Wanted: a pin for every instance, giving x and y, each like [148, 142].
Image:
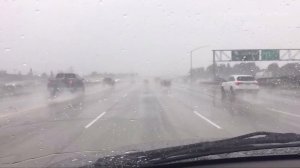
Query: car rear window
[70, 76]
[62, 75]
[245, 78]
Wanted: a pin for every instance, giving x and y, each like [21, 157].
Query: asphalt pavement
[107, 118]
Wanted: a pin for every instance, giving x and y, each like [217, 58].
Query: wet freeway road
[107, 118]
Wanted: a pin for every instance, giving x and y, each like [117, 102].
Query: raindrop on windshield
[7, 49]
[73, 160]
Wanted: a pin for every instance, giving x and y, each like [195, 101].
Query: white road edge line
[206, 119]
[97, 118]
[283, 112]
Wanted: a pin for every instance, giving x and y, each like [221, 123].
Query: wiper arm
[248, 142]
[252, 141]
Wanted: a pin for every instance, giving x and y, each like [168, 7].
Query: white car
[239, 83]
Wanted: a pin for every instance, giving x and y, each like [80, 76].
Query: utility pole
[214, 65]
[191, 68]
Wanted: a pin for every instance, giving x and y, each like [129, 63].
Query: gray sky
[146, 36]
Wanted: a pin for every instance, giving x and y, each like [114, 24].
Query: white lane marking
[97, 118]
[206, 119]
[125, 95]
[283, 112]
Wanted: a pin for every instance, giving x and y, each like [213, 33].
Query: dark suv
[66, 81]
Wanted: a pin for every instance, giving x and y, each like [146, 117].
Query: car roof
[65, 73]
[240, 75]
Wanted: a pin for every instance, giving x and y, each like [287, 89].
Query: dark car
[166, 83]
[108, 81]
[65, 82]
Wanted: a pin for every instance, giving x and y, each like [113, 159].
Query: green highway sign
[269, 55]
[244, 55]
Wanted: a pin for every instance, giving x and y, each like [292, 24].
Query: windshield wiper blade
[248, 142]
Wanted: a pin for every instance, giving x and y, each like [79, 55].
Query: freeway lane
[108, 119]
[269, 109]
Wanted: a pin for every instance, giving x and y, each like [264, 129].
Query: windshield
[145, 74]
[67, 75]
[245, 78]
[70, 76]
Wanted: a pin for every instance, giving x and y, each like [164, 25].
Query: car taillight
[238, 83]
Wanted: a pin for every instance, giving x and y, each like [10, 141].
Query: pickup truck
[65, 82]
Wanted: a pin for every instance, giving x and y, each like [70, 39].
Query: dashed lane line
[207, 120]
[283, 112]
[97, 118]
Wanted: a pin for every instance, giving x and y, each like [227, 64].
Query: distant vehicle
[239, 83]
[65, 82]
[166, 83]
[12, 88]
[109, 81]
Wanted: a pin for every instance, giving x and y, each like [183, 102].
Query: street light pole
[214, 65]
[191, 69]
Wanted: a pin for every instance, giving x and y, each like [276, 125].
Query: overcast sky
[145, 36]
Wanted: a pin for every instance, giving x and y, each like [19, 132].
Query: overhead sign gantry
[253, 55]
